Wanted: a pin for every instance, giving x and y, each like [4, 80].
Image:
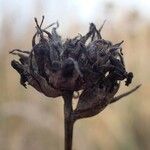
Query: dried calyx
[87, 63]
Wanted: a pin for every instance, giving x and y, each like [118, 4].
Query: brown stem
[68, 120]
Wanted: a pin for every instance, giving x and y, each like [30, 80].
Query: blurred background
[31, 121]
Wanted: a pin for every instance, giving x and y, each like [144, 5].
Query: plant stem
[68, 120]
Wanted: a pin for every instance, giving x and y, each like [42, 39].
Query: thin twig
[101, 28]
[50, 25]
[42, 21]
[124, 94]
[18, 50]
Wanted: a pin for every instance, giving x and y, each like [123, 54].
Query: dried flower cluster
[85, 63]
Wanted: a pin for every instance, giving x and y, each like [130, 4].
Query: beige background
[31, 121]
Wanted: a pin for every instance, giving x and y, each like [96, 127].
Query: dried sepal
[93, 100]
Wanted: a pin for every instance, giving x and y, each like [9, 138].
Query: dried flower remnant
[85, 63]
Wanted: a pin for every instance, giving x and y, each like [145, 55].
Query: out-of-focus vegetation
[29, 120]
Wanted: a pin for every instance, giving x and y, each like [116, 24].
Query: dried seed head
[88, 63]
